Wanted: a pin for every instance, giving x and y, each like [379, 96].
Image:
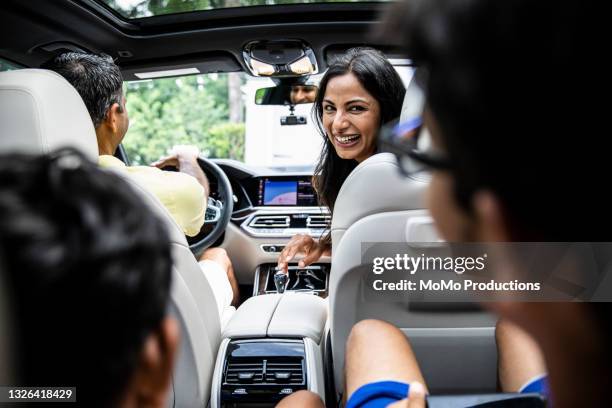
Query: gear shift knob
[280, 281]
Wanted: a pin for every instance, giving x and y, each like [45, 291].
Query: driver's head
[89, 270]
[303, 94]
[99, 82]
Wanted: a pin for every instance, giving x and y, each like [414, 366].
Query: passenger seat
[455, 347]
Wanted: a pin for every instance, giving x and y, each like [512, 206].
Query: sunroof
[148, 8]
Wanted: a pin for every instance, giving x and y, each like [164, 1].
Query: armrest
[279, 315]
[299, 315]
[252, 318]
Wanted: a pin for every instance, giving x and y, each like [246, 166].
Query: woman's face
[351, 117]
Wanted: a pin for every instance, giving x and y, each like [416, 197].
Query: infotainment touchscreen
[280, 192]
[285, 191]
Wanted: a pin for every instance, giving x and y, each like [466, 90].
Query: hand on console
[302, 244]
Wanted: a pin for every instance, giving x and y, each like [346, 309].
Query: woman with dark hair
[359, 92]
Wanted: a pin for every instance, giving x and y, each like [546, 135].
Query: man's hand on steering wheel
[218, 212]
[185, 159]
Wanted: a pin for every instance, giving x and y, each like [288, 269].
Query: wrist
[187, 161]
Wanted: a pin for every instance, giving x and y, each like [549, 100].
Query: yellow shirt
[180, 193]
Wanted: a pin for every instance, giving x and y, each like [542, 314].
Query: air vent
[318, 221]
[285, 371]
[253, 371]
[244, 371]
[270, 221]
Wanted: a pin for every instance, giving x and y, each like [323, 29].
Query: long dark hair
[382, 81]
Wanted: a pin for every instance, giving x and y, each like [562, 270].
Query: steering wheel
[218, 212]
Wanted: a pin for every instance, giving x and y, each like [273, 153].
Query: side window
[7, 66]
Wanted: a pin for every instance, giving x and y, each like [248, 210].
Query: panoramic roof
[133, 9]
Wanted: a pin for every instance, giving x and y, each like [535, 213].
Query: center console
[313, 279]
[271, 348]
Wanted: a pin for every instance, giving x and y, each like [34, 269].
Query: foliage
[147, 8]
[188, 110]
[227, 140]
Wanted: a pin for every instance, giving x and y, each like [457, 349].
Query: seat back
[39, 112]
[377, 204]
[194, 306]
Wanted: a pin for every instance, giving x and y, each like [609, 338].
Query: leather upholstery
[274, 315]
[375, 186]
[40, 112]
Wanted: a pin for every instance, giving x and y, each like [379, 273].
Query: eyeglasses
[409, 140]
[411, 144]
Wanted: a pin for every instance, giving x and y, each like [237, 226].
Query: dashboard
[271, 203]
[270, 206]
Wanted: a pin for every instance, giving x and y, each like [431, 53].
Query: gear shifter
[280, 281]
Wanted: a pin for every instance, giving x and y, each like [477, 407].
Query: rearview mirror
[286, 95]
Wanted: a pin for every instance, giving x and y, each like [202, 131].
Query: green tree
[146, 8]
[226, 140]
[188, 110]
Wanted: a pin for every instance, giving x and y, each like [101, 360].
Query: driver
[184, 194]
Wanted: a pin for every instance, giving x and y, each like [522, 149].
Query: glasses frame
[390, 140]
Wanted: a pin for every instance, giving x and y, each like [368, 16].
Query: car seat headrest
[375, 186]
[412, 107]
[414, 101]
[40, 112]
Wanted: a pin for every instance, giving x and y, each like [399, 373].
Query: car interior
[274, 343]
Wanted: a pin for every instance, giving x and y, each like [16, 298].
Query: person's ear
[491, 221]
[112, 117]
[151, 380]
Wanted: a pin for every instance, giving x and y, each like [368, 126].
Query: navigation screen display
[280, 192]
[285, 191]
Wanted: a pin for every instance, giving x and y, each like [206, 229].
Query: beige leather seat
[377, 204]
[39, 112]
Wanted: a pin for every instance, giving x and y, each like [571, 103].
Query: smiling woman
[351, 117]
[360, 91]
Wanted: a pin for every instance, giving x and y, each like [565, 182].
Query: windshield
[217, 113]
[147, 8]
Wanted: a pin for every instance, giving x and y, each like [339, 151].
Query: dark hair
[382, 81]
[96, 77]
[90, 267]
[513, 87]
